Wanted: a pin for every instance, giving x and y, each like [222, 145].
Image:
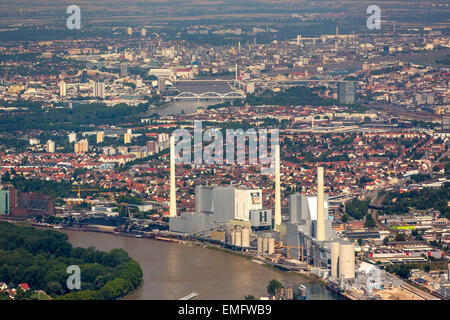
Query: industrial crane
[291, 247]
[79, 190]
[130, 214]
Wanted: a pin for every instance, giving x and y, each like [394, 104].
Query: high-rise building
[100, 136]
[346, 92]
[161, 84]
[163, 137]
[123, 70]
[62, 89]
[99, 89]
[82, 146]
[72, 137]
[127, 138]
[84, 77]
[50, 147]
[152, 147]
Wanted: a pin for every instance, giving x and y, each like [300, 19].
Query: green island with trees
[40, 258]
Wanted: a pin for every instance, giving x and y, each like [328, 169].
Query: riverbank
[173, 268]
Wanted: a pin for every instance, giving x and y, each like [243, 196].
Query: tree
[23, 295]
[345, 217]
[54, 288]
[400, 237]
[357, 208]
[386, 241]
[40, 258]
[273, 286]
[369, 223]
[249, 297]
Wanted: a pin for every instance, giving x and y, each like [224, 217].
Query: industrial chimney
[173, 196]
[320, 226]
[277, 189]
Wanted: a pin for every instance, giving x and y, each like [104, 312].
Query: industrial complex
[236, 218]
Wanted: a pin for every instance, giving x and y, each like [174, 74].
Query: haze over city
[224, 150]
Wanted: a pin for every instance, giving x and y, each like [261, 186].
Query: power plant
[235, 218]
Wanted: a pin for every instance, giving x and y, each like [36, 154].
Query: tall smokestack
[320, 231]
[173, 199]
[277, 189]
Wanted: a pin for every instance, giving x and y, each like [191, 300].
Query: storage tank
[334, 259]
[271, 249]
[346, 261]
[265, 244]
[233, 237]
[238, 238]
[260, 245]
[246, 237]
[228, 232]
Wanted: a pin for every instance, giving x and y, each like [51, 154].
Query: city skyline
[312, 137]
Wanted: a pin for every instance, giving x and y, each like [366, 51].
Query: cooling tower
[265, 246]
[260, 244]
[346, 261]
[334, 259]
[246, 237]
[271, 248]
[238, 238]
[233, 237]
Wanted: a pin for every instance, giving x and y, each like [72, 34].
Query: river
[172, 270]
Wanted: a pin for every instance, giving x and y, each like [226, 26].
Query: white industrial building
[217, 205]
[310, 237]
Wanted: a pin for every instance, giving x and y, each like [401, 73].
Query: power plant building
[303, 215]
[217, 205]
[309, 231]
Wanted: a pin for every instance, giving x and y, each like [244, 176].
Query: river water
[172, 270]
[179, 107]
